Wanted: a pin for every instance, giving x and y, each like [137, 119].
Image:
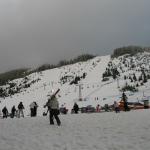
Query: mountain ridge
[89, 75]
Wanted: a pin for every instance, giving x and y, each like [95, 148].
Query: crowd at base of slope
[54, 110]
[20, 111]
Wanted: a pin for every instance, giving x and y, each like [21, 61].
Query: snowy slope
[101, 131]
[50, 79]
[95, 131]
[94, 91]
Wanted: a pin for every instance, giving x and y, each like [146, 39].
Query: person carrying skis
[53, 107]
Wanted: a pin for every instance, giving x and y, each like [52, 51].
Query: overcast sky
[34, 32]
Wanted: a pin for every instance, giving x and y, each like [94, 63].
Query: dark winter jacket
[20, 106]
[5, 111]
[13, 110]
[76, 107]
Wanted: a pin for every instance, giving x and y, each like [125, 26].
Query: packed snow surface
[96, 131]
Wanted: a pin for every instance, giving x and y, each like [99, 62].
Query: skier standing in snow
[5, 112]
[53, 106]
[13, 112]
[20, 110]
[76, 108]
[32, 105]
[35, 108]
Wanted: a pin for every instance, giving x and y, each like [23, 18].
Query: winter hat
[52, 92]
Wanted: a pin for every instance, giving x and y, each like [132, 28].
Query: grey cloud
[34, 32]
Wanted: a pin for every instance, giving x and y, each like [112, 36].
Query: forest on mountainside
[23, 72]
[131, 50]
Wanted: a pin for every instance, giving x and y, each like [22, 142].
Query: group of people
[19, 112]
[14, 112]
[116, 106]
[33, 109]
[54, 110]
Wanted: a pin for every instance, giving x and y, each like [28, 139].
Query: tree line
[80, 58]
[131, 50]
[12, 75]
[23, 72]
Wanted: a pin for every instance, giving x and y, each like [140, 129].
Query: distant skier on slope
[53, 107]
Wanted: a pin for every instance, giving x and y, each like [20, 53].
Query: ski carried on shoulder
[45, 113]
